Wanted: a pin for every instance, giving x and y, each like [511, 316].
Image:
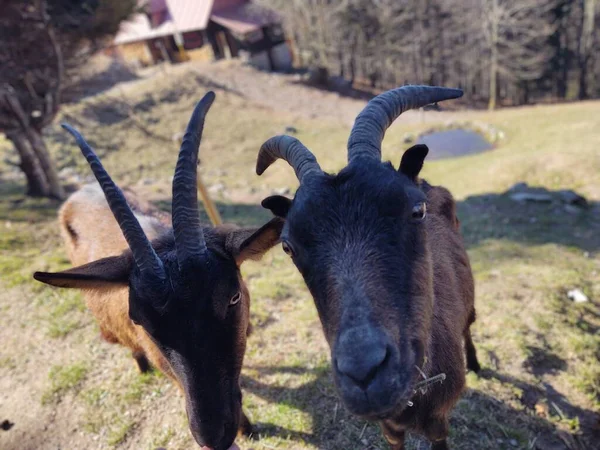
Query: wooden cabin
[181, 30]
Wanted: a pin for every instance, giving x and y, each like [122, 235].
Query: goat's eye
[287, 248]
[235, 299]
[419, 211]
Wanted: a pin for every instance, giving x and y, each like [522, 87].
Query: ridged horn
[189, 237]
[144, 255]
[291, 150]
[373, 121]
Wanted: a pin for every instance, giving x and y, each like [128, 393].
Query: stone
[572, 198]
[577, 296]
[282, 191]
[216, 188]
[408, 138]
[518, 187]
[572, 209]
[537, 197]
[67, 172]
[291, 130]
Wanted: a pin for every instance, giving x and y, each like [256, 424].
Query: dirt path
[284, 92]
[278, 91]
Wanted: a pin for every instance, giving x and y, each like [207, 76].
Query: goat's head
[185, 290]
[359, 240]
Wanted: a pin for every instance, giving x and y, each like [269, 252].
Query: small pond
[452, 143]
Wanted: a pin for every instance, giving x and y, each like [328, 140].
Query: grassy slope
[61, 384]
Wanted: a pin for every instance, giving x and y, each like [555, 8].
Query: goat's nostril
[362, 368]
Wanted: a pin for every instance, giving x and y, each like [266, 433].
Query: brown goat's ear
[412, 161]
[252, 243]
[107, 272]
[278, 205]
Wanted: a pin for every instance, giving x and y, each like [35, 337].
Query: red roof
[179, 16]
[244, 18]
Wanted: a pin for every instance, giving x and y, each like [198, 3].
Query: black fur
[393, 291]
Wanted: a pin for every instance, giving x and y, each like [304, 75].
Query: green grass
[64, 313]
[63, 379]
[119, 431]
[162, 439]
[539, 350]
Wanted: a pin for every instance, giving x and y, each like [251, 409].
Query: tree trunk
[40, 149]
[42, 179]
[494, 56]
[585, 45]
[37, 184]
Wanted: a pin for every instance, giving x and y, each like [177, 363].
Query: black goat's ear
[278, 205]
[252, 243]
[412, 161]
[108, 272]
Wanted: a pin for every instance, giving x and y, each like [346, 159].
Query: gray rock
[217, 188]
[572, 209]
[67, 172]
[577, 296]
[291, 130]
[537, 197]
[177, 137]
[408, 138]
[518, 187]
[282, 191]
[572, 198]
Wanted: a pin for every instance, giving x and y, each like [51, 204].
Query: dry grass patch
[541, 380]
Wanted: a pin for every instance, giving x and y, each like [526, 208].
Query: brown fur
[453, 313]
[90, 232]
[438, 316]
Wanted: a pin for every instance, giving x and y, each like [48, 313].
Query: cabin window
[193, 39]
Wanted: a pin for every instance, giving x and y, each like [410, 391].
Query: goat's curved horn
[189, 238]
[373, 121]
[144, 255]
[291, 150]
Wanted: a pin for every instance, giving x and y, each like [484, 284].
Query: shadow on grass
[497, 216]
[98, 82]
[15, 206]
[244, 215]
[483, 217]
[332, 425]
[548, 401]
[478, 421]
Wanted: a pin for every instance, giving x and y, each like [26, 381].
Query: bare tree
[515, 33]
[32, 72]
[586, 44]
[38, 40]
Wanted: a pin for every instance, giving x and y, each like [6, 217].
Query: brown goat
[381, 252]
[175, 297]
